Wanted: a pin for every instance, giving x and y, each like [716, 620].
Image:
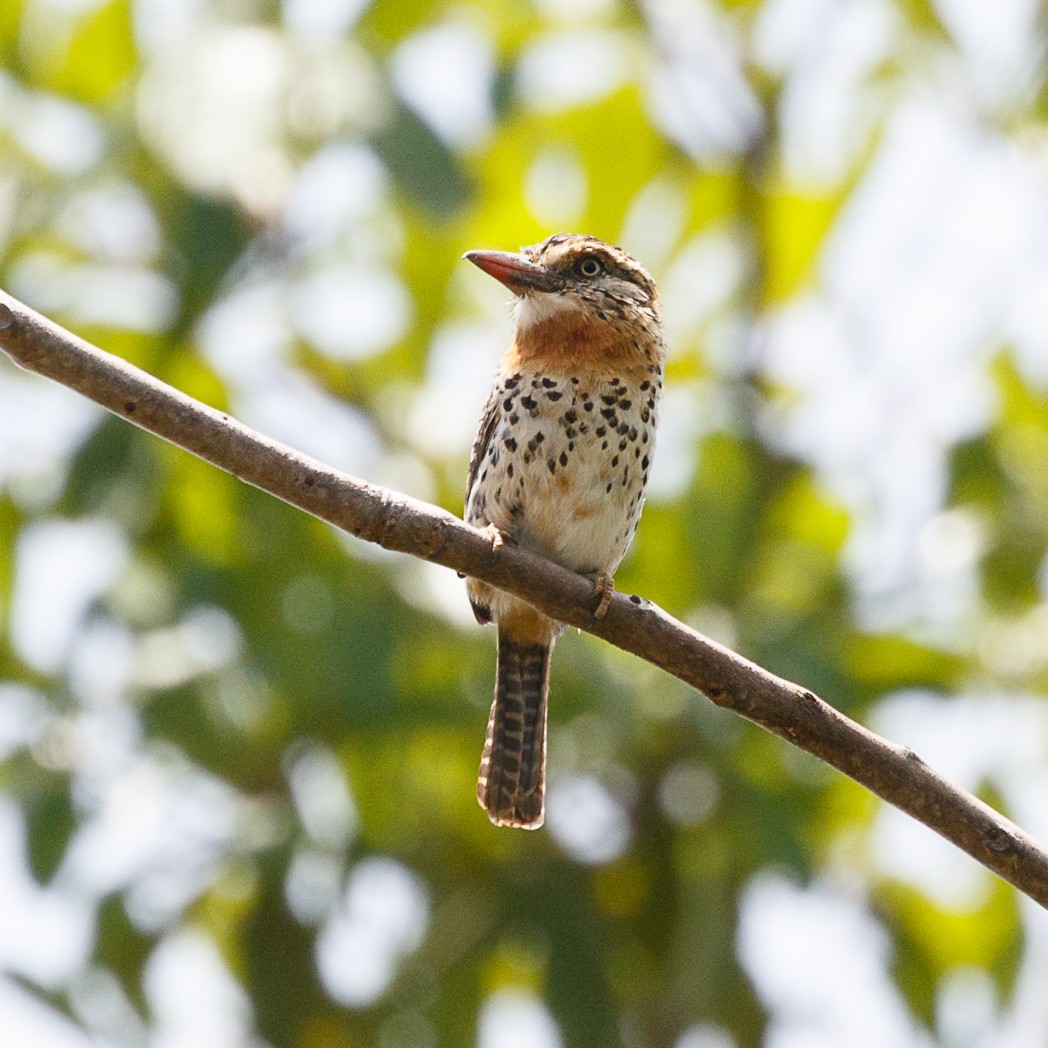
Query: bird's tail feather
[511, 786]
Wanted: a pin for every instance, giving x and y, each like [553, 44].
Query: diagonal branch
[396, 522]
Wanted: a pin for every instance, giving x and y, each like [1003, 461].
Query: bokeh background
[238, 749]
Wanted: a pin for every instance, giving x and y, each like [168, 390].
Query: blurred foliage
[252, 719]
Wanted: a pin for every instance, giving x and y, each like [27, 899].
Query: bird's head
[569, 273]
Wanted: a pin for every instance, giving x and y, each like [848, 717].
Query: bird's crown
[583, 262]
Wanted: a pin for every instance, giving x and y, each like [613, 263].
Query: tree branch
[399, 523]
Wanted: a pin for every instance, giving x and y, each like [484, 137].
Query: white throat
[529, 310]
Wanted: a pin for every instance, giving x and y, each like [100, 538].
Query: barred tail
[512, 781]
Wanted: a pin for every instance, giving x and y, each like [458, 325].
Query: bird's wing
[485, 430]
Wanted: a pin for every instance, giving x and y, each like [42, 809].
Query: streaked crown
[595, 271]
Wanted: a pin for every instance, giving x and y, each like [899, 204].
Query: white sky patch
[291, 407]
[571, 68]
[435, 591]
[336, 188]
[112, 220]
[704, 274]
[686, 413]
[61, 135]
[517, 1019]
[248, 333]
[322, 797]
[313, 883]
[442, 419]
[697, 91]
[61, 567]
[165, 25]
[351, 312]
[818, 961]
[160, 828]
[589, 822]
[23, 715]
[705, 1035]
[969, 740]
[831, 101]
[214, 110]
[193, 996]
[121, 296]
[247, 337]
[445, 74]
[654, 222]
[41, 426]
[322, 21]
[29, 1023]
[892, 349]
[1000, 44]
[555, 188]
[46, 933]
[382, 917]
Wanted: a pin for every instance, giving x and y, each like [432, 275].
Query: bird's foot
[604, 590]
[498, 540]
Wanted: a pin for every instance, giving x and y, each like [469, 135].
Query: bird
[559, 466]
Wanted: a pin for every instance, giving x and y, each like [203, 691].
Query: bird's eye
[589, 266]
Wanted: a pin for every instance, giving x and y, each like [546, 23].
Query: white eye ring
[590, 267]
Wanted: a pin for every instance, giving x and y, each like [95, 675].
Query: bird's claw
[604, 590]
[498, 540]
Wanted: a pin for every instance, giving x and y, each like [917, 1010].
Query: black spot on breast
[570, 432]
[625, 404]
[644, 462]
[507, 404]
[571, 415]
[554, 394]
[608, 398]
[511, 383]
[548, 383]
[529, 403]
[601, 430]
[622, 444]
[510, 442]
[509, 470]
[614, 461]
[551, 465]
[563, 458]
[588, 406]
